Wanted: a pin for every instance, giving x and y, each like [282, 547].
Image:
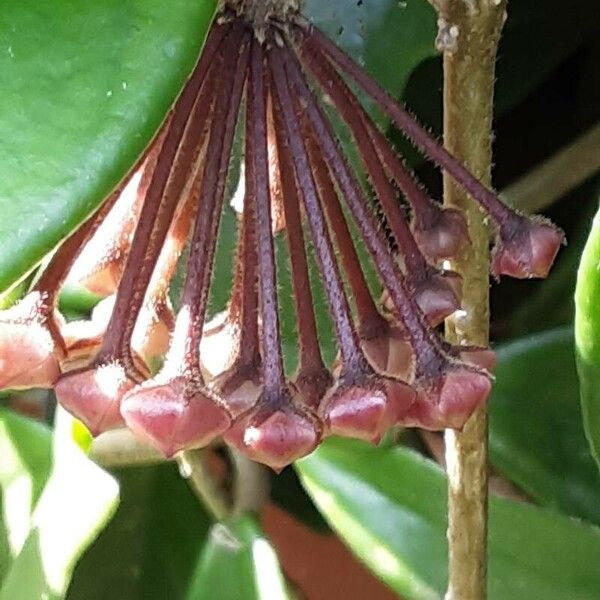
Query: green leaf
[536, 435]
[237, 563]
[587, 336]
[75, 504]
[86, 85]
[148, 551]
[25, 463]
[389, 506]
[76, 299]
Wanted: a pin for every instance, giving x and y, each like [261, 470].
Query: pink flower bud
[444, 236]
[526, 248]
[175, 415]
[448, 399]
[366, 409]
[94, 395]
[438, 295]
[30, 346]
[275, 436]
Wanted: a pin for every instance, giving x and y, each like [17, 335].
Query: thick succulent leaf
[536, 434]
[237, 562]
[25, 463]
[389, 506]
[75, 504]
[149, 549]
[587, 336]
[85, 86]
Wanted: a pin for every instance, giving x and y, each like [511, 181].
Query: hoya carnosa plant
[269, 70]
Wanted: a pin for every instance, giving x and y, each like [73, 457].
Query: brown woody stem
[468, 105]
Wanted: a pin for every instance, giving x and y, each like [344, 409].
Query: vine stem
[469, 71]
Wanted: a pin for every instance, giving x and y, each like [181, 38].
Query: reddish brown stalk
[94, 394]
[407, 124]
[421, 336]
[249, 345]
[435, 295]
[525, 247]
[100, 264]
[371, 323]
[175, 409]
[278, 430]
[60, 264]
[273, 375]
[151, 335]
[383, 342]
[338, 303]
[240, 384]
[362, 401]
[194, 298]
[429, 217]
[447, 390]
[312, 378]
[161, 201]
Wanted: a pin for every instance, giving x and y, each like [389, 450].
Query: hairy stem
[422, 338]
[468, 104]
[310, 353]
[160, 204]
[194, 299]
[352, 113]
[338, 303]
[256, 122]
[371, 323]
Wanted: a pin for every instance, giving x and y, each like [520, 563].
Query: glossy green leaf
[149, 549]
[389, 506]
[25, 463]
[75, 504]
[587, 335]
[536, 434]
[237, 563]
[85, 86]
